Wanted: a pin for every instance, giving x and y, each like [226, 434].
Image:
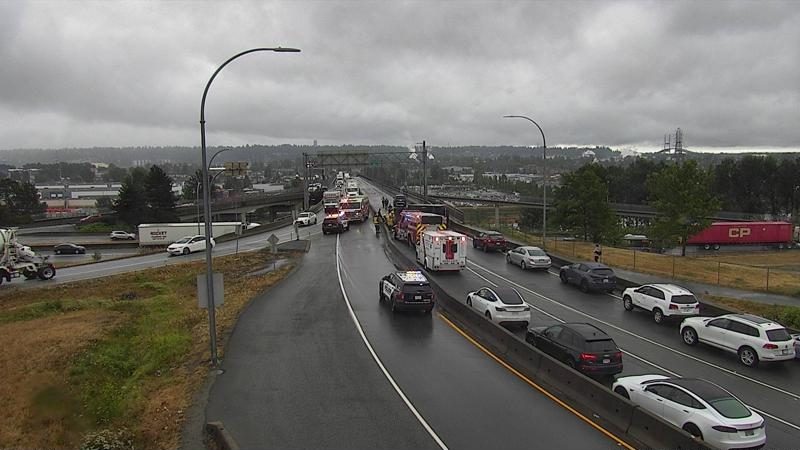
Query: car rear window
[778, 335]
[684, 299]
[604, 345]
[602, 272]
[416, 287]
[730, 408]
[536, 252]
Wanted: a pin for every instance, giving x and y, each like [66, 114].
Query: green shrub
[120, 439]
[97, 227]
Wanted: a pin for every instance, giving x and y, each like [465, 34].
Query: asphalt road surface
[298, 374]
[771, 389]
[113, 267]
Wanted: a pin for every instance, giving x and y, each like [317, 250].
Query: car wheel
[474, 243]
[469, 302]
[488, 315]
[508, 259]
[46, 272]
[563, 277]
[658, 316]
[523, 266]
[748, 356]
[693, 430]
[622, 392]
[584, 286]
[568, 361]
[185, 251]
[689, 336]
[58, 252]
[627, 303]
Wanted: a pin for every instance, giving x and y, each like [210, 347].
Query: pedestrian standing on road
[598, 252]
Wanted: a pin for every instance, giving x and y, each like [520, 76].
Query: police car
[407, 291]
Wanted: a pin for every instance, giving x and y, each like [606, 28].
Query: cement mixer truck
[17, 260]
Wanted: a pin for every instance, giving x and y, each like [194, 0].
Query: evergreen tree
[681, 194]
[581, 205]
[159, 196]
[131, 203]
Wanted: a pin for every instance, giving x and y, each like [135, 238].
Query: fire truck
[439, 250]
[411, 224]
[356, 209]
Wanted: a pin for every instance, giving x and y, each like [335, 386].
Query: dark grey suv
[590, 276]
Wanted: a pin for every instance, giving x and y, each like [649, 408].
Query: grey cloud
[596, 73]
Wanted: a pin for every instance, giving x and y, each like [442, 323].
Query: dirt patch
[35, 392]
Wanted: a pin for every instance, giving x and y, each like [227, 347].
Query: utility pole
[424, 171]
[305, 182]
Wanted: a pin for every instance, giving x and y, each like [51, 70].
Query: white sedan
[306, 218]
[502, 305]
[529, 257]
[189, 244]
[699, 407]
[122, 235]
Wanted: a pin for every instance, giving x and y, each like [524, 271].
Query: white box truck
[151, 234]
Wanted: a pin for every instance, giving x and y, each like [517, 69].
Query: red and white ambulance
[442, 250]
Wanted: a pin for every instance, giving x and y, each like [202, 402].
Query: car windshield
[730, 408]
[536, 252]
[684, 299]
[601, 346]
[494, 235]
[183, 240]
[778, 335]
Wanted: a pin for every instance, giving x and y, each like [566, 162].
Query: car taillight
[673, 306]
[770, 346]
[724, 429]
[588, 357]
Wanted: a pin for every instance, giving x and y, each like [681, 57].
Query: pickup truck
[490, 240]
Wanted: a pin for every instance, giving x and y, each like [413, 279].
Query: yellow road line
[536, 386]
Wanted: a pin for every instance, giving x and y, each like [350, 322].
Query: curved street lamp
[212, 326]
[199, 182]
[544, 169]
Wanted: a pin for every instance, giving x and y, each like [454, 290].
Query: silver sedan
[528, 257]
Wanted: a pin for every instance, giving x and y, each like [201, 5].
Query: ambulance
[439, 250]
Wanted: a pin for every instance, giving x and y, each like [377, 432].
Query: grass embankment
[123, 351]
[788, 316]
[775, 272]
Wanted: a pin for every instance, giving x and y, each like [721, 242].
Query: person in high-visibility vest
[376, 219]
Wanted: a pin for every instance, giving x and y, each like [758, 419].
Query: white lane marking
[378, 360]
[650, 341]
[483, 277]
[659, 367]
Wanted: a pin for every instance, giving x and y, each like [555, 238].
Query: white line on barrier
[650, 341]
[378, 360]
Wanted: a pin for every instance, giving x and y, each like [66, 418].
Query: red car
[490, 240]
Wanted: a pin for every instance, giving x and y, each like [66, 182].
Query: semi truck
[771, 234]
[152, 234]
[18, 260]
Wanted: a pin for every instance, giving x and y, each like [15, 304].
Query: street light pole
[212, 326]
[197, 188]
[544, 170]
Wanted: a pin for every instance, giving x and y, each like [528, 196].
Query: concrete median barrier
[658, 434]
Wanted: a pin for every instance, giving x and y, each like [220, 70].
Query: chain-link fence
[510, 221]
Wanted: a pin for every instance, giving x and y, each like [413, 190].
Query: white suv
[306, 218]
[663, 300]
[121, 235]
[751, 337]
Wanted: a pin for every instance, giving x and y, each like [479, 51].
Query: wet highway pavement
[772, 389]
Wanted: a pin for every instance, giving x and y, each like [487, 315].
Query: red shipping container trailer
[744, 233]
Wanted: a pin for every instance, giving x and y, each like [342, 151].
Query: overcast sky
[621, 74]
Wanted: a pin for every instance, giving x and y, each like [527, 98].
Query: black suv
[408, 291]
[400, 201]
[582, 346]
[335, 223]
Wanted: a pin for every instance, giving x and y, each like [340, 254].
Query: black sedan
[582, 346]
[590, 276]
[66, 248]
